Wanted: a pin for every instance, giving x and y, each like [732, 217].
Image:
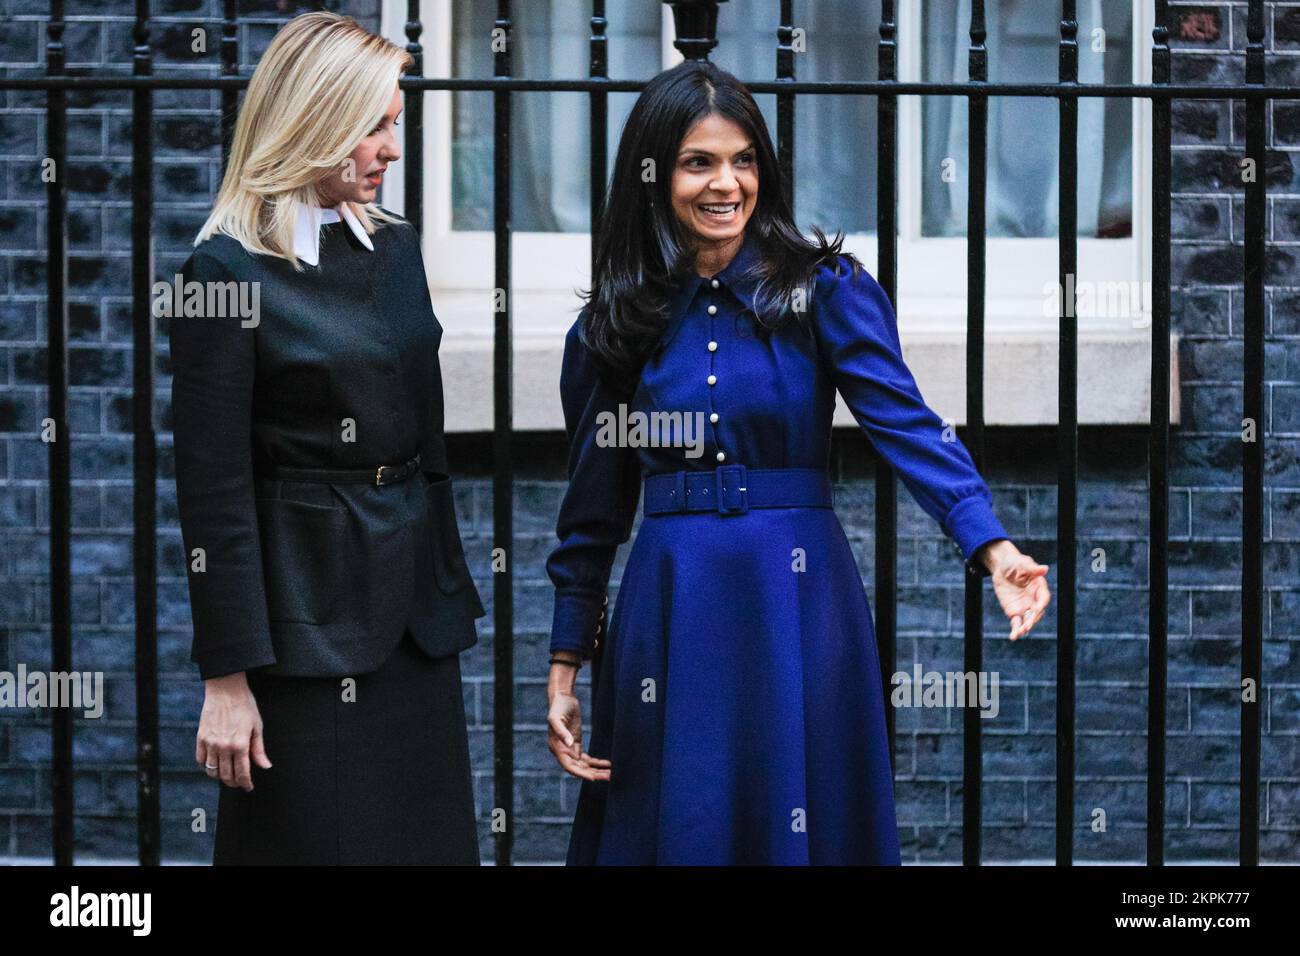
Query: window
[1023, 145]
[835, 164]
[550, 42]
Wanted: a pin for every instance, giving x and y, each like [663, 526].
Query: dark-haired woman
[740, 713]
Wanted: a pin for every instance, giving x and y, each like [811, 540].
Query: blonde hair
[322, 85]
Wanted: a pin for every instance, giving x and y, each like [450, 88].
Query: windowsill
[1020, 381]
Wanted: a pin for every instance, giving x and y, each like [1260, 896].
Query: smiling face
[715, 185]
[358, 180]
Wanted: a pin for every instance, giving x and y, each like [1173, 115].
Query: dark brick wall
[1201, 791]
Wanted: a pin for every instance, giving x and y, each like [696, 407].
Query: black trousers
[382, 779]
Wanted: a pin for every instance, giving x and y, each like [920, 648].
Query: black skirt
[382, 779]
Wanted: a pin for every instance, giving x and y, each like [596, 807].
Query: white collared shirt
[306, 233]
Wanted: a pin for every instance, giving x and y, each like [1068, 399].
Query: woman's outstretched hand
[1020, 584]
[564, 726]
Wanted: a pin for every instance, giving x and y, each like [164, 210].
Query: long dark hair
[642, 252]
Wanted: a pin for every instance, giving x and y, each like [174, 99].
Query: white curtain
[834, 136]
[1023, 173]
[550, 132]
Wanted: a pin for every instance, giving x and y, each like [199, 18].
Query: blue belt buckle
[733, 489]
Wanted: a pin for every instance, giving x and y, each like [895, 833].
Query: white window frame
[932, 270]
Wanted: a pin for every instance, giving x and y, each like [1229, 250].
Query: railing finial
[695, 25]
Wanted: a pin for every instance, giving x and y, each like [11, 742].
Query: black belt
[383, 475]
[734, 489]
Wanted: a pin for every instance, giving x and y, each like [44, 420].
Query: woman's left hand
[1020, 584]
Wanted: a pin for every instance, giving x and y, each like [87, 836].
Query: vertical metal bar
[229, 67]
[503, 619]
[1158, 445]
[1067, 434]
[1252, 462]
[887, 276]
[145, 454]
[978, 109]
[413, 109]
[56, 272]
[785, 101]
[598, 68]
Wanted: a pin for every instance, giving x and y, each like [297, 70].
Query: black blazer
[335, 367]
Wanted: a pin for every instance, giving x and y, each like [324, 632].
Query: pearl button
[713, 346]
[713, 310]
[713, 417]
[713, 380]
[722, 456]
[715, 283]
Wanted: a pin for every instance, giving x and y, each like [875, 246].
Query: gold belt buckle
[379, 473]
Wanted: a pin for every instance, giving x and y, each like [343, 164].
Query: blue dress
[740, 700]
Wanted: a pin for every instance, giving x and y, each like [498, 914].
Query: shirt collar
[306, 233]
[731, 278]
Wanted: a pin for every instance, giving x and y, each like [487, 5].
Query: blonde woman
[328, 584]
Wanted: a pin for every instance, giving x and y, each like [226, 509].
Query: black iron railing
[695, 23]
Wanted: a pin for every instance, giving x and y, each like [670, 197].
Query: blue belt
[734, 489]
